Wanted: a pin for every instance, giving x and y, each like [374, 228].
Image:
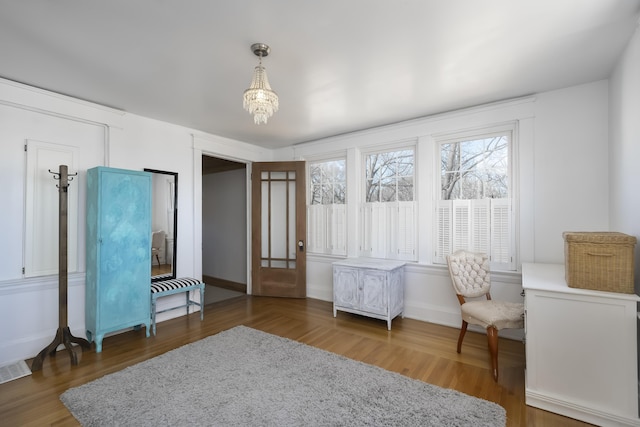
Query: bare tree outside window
[475, 169]
[390, 176]
[328, 182]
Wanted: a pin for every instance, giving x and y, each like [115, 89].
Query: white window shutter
[461, 225]
[379, 230]
[406, 235]
[365, 238]
[444, 225]
[338, 229]
[480, 220]
[501, 247]
[374, 229]
[315, 225]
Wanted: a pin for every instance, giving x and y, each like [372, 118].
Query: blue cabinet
[118, 251]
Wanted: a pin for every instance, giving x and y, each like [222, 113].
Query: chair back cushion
[469, 273]
[157, 239]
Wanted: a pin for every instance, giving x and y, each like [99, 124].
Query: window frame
[399, 239]
[324, 235]
[495, 208]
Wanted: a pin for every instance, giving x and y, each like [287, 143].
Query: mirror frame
[175, 225]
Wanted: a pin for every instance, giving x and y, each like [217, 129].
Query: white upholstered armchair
[470, 277]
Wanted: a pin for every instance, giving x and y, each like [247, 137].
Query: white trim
[511, 128]
[38, 283]
[579, 412]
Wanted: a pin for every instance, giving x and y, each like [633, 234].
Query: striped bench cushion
[173, 284]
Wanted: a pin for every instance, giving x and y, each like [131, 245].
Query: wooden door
[278, 228]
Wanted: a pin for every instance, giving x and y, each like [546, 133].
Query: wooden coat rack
[63, 336]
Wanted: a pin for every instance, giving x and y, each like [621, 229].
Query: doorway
[224, 228]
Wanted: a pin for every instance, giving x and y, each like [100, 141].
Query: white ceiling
[337, 65]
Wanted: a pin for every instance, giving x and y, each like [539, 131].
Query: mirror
[164, 224]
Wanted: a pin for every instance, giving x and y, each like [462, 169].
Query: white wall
[105, 137]
[224, 225]
[561, 157]
[624, 154]
[571, 166]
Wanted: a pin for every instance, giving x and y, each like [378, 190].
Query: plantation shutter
[327, 229]
[337, 229]
[443, 230]
[461, 224]
[480, 235]
[374, 230]
[406, 234]
[367, 231]
[501, 239]
[315, 228]
[482, 225]
[389, 230]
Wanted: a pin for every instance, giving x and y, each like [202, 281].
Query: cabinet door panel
[118, 251]
[346, 292]
[125, 245]
[374, 286]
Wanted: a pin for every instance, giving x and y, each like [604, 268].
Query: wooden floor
[413, 348]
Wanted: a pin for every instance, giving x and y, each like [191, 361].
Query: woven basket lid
[611, 237]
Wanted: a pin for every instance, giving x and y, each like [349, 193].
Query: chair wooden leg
[463, 330]
[492, 337]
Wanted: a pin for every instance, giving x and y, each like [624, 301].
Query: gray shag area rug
[245, 377]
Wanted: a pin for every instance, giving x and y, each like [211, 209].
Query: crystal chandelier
[259, 99]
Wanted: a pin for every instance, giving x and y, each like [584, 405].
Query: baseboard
[225, 284]
[568, 408]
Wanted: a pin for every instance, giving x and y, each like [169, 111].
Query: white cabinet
[581, 349]
[369, 287]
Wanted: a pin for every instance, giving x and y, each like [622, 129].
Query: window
[474, 210]
[326, 210]
[388, 211]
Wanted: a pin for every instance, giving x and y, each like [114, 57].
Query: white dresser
[369, 287]
[581, 349]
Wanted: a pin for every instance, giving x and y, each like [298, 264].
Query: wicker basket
[602, 261]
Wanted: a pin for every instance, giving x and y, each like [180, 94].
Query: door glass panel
[265, 219]
[279, 244]
[293, 244]
[278, 219]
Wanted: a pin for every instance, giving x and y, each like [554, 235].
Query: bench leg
[153, 315]
[202, 302]
[188, 301]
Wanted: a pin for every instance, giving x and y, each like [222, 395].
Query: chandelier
[259, 99]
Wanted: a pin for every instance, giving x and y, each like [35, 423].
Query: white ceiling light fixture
[259, 99]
